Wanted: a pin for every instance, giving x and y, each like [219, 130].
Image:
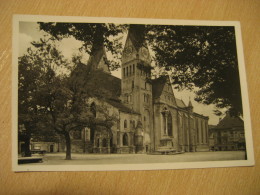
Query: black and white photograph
[93, 94]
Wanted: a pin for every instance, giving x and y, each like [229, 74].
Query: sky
[29, 31]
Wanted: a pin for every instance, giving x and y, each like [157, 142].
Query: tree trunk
[68, 146]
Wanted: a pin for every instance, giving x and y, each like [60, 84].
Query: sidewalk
[95, 159]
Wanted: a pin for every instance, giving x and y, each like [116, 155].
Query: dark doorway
[51, 148]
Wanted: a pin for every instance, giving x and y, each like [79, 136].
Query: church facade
[149, 118]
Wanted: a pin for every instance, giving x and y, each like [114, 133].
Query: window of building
[133, 68]
[93, 109]
[125, 124]
[126, 71]
[104, 142]
[144, 98]
[77, 134]
[133, 84]
[133, 123]
[125, 140]
[98, 142]
[169, 124]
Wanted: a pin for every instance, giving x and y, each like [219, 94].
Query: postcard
[103, 94]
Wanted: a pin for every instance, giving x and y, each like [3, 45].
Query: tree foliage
[53, 96]
[200, 58]
[92, 35]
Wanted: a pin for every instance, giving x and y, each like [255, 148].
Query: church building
[149, 118]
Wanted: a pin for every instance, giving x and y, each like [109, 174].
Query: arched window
[98, 142]
[169, 124]
[93, 109]
[125, 124]
[125, 140]
[104, 143]
[111, 141]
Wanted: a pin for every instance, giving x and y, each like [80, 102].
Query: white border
[177, 165]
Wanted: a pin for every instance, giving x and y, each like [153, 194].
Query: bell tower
[136, 88]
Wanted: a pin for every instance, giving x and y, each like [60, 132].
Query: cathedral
[149, 118]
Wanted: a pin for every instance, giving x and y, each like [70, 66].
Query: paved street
[95, 159]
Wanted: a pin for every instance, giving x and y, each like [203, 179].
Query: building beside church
[149, 117]
[228, 134]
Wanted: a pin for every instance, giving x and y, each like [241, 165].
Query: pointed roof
[157, 85]
[230, 122]
[96, 57]
[136, 35]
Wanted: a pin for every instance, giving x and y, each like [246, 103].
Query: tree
[201, 58]
[52, 95]
[92, 35]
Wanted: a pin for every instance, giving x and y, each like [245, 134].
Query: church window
[169, 124]
[130, 69]
[125, 124]
[133, 123]
[126, 71]
[77, 134]
[125, 140]
[104, 142]
[133, 68]
[98, 142]
[133, 84]
[93, 109]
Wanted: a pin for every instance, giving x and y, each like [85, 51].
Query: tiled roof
[102, 85]
[120, 106]
[229, 122]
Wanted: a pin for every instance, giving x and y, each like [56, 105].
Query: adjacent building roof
[229, 122]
